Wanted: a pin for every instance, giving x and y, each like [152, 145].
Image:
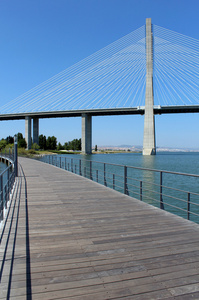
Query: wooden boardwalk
[71, 238]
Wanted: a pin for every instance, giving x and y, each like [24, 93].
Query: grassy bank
[34, 153]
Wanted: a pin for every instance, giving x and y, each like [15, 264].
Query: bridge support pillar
[149, 147]
[86, 134]
[28, 132]
[36, 131]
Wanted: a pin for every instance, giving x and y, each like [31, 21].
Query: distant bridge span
[87, 119]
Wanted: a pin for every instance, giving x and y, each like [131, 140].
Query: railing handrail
[140, 168]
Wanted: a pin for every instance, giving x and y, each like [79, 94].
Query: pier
[67, 237]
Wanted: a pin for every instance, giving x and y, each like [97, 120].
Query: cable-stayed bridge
[150, 71]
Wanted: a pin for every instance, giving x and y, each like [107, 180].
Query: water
[2, 167]
[184, 162]
[175, 162]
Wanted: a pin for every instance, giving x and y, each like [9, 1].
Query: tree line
[9, 140]
[49, 143]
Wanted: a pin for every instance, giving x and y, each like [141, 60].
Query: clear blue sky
[40, 38]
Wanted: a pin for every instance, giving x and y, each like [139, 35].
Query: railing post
[105, 183]
[15, 156]
[65, 164]
[71, 165]
[96, 175]
[1, 198]
[113, 181]
[8, 178]
[161, 200]
[91, 177]
[80, 168]
[60, 162]
[75, 169]
[125, 180]
[188, 206]
[6, 197]
[140, 190]
[84, 171]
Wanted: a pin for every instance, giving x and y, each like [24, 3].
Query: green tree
[22, 143]
[21, 140]
[51, 142]
[73, 145]
[60, 147]
[3, 144]
[42, 142]
[66, 146]
[10, 139]
[48, 142]
[35, 146]
[19, 136]
[79, 144]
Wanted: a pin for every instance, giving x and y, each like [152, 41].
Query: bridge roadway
[139, 110]
[72, 238]
[149, 131]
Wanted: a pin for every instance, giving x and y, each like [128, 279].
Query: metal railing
[7, 178]
[173, 191]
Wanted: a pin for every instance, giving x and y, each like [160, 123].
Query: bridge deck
[75, 239]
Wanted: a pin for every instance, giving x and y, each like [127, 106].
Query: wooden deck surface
[72, 238]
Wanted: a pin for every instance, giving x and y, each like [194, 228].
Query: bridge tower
[86, 134]
[28, 131]
[149, 147]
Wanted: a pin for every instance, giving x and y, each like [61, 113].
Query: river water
[182, 162]
[2, 167]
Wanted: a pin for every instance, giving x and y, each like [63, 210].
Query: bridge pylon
[28, 130]
[86, 134]
[149, 147]
[36, 131]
